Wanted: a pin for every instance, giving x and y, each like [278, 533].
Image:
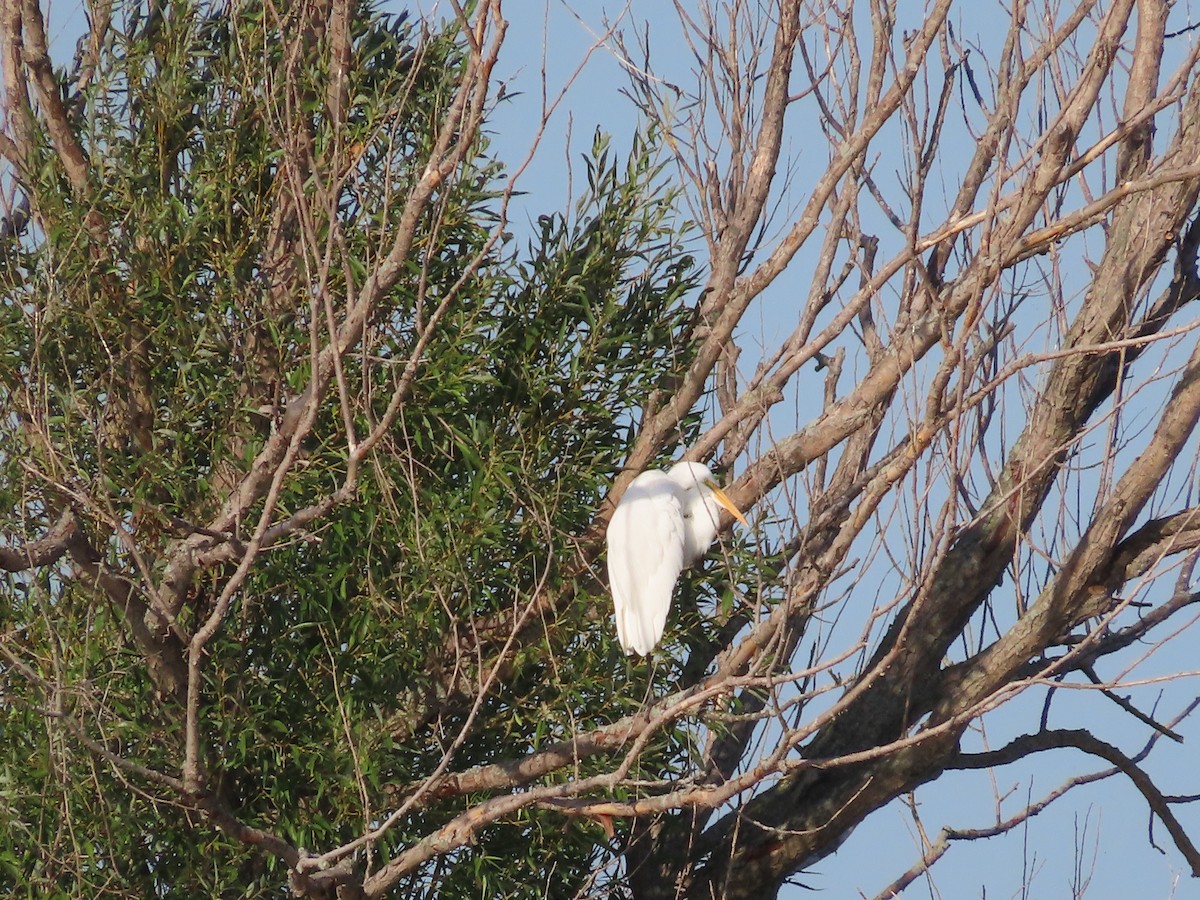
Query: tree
[308, 456]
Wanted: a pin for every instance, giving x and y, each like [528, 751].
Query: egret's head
[694, 476]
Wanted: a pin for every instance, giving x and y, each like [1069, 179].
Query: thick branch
[58, 122]
[44, 551]
[159, 648]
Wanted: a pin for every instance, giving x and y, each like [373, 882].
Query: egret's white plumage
[665, 521]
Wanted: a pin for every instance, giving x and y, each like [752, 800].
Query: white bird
[665, 521]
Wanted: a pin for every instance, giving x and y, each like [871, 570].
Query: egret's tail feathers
[636, 633]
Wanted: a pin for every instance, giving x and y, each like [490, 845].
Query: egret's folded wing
[645, 556]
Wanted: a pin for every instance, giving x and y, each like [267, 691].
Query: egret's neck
[700, 529]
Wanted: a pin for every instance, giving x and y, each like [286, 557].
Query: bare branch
[1022, 746]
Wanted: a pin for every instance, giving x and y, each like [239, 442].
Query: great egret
[665, 521]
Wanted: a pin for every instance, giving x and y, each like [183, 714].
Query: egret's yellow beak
[724, 500]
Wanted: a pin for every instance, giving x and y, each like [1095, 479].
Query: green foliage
[316, 688]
